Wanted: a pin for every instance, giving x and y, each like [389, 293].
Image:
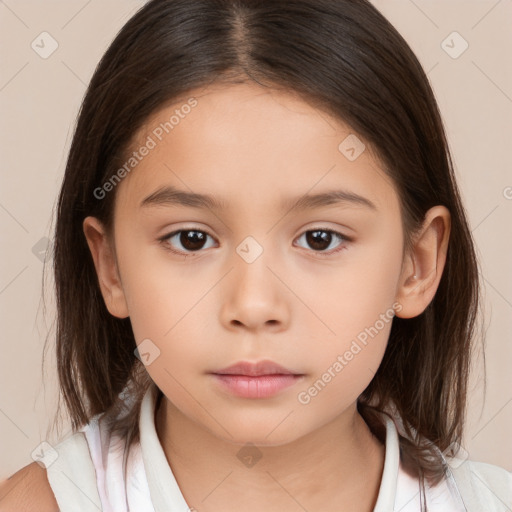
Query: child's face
[258, 286]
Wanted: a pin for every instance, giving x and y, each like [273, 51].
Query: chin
[262, 433]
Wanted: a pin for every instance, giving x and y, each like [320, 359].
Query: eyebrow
[171, 196]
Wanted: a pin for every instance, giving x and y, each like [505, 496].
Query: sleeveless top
[93, 472]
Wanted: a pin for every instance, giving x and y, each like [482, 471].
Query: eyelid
[344, 239]
[164, 240]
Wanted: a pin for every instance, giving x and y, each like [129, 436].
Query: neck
[337, 466]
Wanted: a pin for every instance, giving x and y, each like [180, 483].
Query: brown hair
[346, 58]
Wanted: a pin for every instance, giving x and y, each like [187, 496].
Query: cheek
[167, 309]
[167, 325]
[344, 370]
[353, 292]
[172, 319]
[157, 291]
[356, 304]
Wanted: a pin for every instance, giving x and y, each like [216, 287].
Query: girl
[267, 288]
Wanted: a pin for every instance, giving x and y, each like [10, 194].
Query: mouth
[255, 369]
[262, 379]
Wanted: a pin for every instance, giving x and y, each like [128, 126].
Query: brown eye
[186, 240]
[322, 239]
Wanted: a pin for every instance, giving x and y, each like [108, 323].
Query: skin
[26, 490]
[253, 147]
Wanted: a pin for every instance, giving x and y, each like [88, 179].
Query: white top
[107, 480]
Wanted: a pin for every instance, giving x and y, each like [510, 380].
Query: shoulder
[26, 490]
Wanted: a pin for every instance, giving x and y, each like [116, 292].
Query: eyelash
[342, 238]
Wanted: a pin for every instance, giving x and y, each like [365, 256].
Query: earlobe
[106, 267]
[423, 268]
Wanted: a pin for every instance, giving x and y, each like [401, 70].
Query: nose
[253, 297]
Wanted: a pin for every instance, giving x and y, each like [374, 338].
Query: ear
[423, 266]
[103, 254]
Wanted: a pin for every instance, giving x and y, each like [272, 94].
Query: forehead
[244, 142]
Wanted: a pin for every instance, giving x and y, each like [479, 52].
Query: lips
[260, 379]
[255, 369]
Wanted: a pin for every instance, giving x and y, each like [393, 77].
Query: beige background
[39, 99]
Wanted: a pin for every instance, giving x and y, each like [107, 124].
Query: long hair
[342, 56]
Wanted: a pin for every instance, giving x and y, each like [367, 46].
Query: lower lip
[262, 386]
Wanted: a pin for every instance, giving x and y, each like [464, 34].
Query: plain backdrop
[465, 48]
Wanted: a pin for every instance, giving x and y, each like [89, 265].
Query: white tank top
[92, 473]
